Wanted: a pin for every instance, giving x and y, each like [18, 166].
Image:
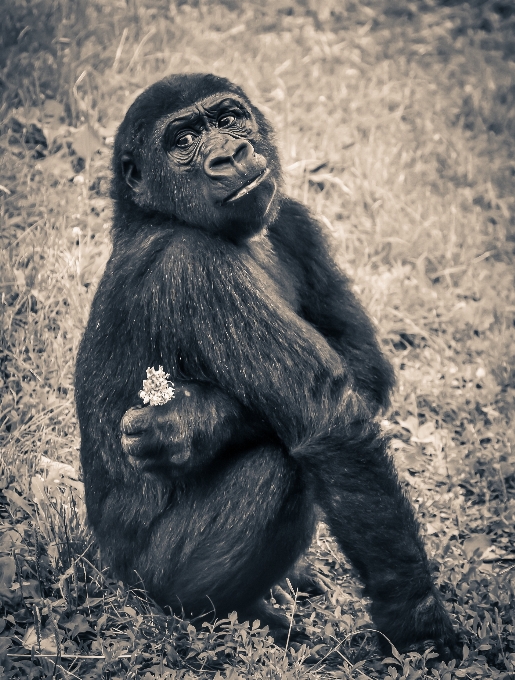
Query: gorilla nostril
[218, 162]
[243, 151]
[217, 165]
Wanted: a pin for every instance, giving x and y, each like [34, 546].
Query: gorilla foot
[280, 625]
[417, 628]
[301, 579]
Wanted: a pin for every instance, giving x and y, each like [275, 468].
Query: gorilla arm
[215, 309]
[328, 303]
[201, 423]
[212, 316]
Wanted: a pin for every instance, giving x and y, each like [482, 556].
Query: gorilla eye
[184, 140]
[226, 120]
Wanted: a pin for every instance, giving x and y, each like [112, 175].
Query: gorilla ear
[130, 171]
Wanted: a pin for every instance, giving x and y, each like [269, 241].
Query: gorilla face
[210, 164]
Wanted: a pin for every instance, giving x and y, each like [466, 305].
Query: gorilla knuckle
[131, 445]
[134, 421]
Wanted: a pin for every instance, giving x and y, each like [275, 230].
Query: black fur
[210, 499]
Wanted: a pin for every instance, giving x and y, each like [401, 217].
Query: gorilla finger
[179, 455]
[136, 420]
[281, 596]
[312, 587]
[138, 445]
[305, 579]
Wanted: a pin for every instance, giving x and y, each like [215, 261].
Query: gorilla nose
[234, 157]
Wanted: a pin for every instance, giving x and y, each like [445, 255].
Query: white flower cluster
[157, 389]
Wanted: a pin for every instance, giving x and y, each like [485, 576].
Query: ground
[396, 123]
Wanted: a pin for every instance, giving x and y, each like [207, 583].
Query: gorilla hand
[199, 424]
[154, 435]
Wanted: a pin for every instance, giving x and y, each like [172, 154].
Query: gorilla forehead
[174, 93]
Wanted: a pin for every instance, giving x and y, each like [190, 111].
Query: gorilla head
[193, 147]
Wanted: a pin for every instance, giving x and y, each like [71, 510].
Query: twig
[348, 637]
[294, 593]
[64, 656]
[462, 267]
[120, 48]
[139, 47]
[424, 334]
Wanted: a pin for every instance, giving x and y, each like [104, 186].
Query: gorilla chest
[278, 276]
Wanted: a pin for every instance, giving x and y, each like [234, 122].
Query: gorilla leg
[355, 483]
[201, 424]
[229, 534]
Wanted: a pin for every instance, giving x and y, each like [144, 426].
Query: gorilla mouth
[247, 187]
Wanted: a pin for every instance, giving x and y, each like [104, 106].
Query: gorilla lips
[246, 188]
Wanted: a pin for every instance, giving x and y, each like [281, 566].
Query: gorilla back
[229, 285]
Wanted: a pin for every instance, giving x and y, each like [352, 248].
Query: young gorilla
[228, 284]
